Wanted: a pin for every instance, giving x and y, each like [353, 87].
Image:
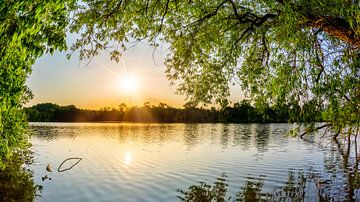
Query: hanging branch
[315, 129]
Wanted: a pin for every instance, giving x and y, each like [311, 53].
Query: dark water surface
[170, 162]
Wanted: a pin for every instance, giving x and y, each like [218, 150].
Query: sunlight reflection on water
[128, 157]
[150, 162]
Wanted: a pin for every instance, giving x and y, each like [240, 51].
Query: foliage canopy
[28, 29]
[283, 52]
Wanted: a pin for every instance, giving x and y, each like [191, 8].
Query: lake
[172, 162]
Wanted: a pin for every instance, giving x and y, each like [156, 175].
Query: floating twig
[73, 158]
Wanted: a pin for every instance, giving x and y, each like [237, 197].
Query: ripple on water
[149, 162]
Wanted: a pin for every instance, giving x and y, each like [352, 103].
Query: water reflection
[339, 182]
[251, 191]
[205, 192]
[225, 135]
[191, 135]
[51, 133]
[16, 182]
[128, 157]
[242, 137]
[262, 137]
[299, 187]
[177, 156]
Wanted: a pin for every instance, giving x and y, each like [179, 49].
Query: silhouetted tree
[243, 112]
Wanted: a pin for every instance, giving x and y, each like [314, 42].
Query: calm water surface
[169, 162]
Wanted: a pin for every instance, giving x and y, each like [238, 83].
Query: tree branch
[336, 27]
[113, 11]
[163, 16]
[315, 129]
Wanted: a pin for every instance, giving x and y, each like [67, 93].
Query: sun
[129, 83]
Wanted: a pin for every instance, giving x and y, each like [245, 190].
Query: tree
[284, 52]
[28, 29]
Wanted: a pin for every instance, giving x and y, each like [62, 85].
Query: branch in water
[315, 129]
[74, 158]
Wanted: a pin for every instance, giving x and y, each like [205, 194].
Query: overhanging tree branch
[336, 27]
[315, 129]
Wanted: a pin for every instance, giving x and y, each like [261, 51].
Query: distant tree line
[243, 112]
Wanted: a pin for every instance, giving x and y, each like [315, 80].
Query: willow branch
[315, 129]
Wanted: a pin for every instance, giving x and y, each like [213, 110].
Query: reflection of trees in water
[205, 192]
[348, 152]
[341, 178]
[16, 182]
[50, 133]
[191, 135]
[339, 181]
[252, 190]
[262, 134]
[140, 133]
[224, 139]
[242, 136]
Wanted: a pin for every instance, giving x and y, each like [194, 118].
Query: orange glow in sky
[139, 77]
[129, 83]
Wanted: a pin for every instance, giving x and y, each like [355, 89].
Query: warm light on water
[128, 157]
[151, 162]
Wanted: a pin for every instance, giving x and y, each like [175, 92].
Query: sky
[139, 77]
